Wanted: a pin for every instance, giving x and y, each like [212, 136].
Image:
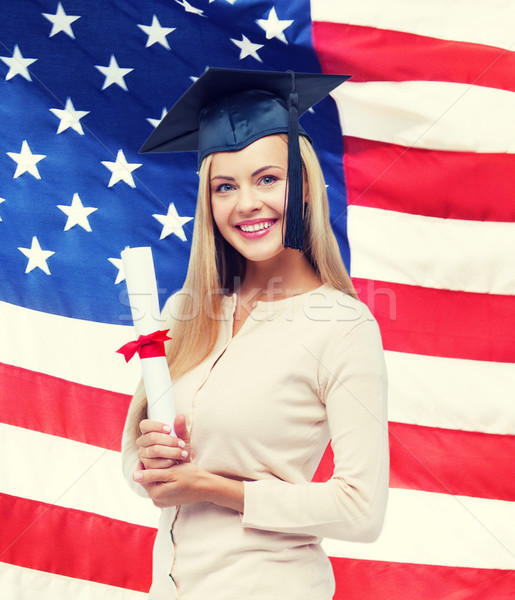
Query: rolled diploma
[142, 289]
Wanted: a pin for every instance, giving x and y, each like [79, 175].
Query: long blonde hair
[215, 265]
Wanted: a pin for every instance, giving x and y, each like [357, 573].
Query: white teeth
[257, 226]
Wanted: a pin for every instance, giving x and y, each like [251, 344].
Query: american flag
[425, 198]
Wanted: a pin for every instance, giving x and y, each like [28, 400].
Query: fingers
[153, 481]
[149, 476]
[146, 426]
[148, 450]
[181, 430]
[174, 486]
[155, 427]
[158, 448]
[158, 463]
[153, 434]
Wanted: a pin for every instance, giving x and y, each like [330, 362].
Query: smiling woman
[248, 191]
[248, 205]
[272, 356]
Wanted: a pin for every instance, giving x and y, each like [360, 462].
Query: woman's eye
[224, 187]
[268, 179]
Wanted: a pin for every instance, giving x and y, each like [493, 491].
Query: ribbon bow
[147, 346]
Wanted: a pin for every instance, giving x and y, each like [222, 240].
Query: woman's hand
[168, 475]
[157, 449]
[185, 483]
[180, 484]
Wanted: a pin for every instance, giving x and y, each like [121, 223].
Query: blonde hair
[215, 266]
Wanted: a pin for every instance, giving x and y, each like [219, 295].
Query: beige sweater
[263, 407]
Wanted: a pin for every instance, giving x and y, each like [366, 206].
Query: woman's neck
[286, 275]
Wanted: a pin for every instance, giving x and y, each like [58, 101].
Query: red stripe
[89, 547]
[442, 322]
[373, 54]
[445, 461]
[458, 185]
[450, 461]
[75, 543]
[58, 407]
[378, 580]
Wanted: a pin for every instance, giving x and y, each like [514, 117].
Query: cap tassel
[294, 233]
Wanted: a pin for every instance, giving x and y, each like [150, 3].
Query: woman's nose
[248, 201]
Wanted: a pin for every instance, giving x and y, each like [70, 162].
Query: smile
[252, 230]
[256, 226]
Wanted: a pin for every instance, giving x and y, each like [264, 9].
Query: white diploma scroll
[142, 289]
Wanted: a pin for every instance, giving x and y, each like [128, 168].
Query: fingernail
[167, 428]
[184, 454]
[181, 443]
[138, 476]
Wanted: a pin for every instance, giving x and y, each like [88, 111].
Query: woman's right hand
[158, 449]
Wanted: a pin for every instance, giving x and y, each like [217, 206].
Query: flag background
[425, 198]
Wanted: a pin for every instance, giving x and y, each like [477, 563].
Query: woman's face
[248, 189]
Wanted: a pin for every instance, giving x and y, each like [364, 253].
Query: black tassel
[294, 233]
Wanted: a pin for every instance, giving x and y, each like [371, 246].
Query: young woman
[272, 356]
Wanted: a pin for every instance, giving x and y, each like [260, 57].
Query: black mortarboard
[228, 109]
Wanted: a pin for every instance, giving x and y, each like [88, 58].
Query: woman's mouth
[255, 229]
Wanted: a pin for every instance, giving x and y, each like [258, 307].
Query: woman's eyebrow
[226, 177]
[265, 168]
[256, 172]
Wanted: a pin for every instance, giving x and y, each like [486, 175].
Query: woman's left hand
[180, 484]
[158, 448]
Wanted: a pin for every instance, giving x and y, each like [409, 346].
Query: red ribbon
[147, 346]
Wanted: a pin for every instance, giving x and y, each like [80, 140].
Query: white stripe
[420, 526]
[59, 471]
[429, 114]
[451, 393]
[474, 21]
[19, 583]
[437, 529]
[75, 350]
[452, 254]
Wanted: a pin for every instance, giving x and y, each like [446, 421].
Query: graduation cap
[227, 109]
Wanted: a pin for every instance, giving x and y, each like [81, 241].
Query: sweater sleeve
[130, 463]
[351, 505]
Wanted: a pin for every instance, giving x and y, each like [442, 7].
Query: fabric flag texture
[421, 190]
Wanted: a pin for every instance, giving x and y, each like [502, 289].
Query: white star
[61, 21]
[37, 257]
[26, 161]
[117, 262]
[247, 48]
[273, 26]
[189, 8]
[121, 170]
[114, 74]
[1, 200]
[17, 64]
[172, 223]
[69, 117]
[77, 213]
[157, 33]
[155, 122]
